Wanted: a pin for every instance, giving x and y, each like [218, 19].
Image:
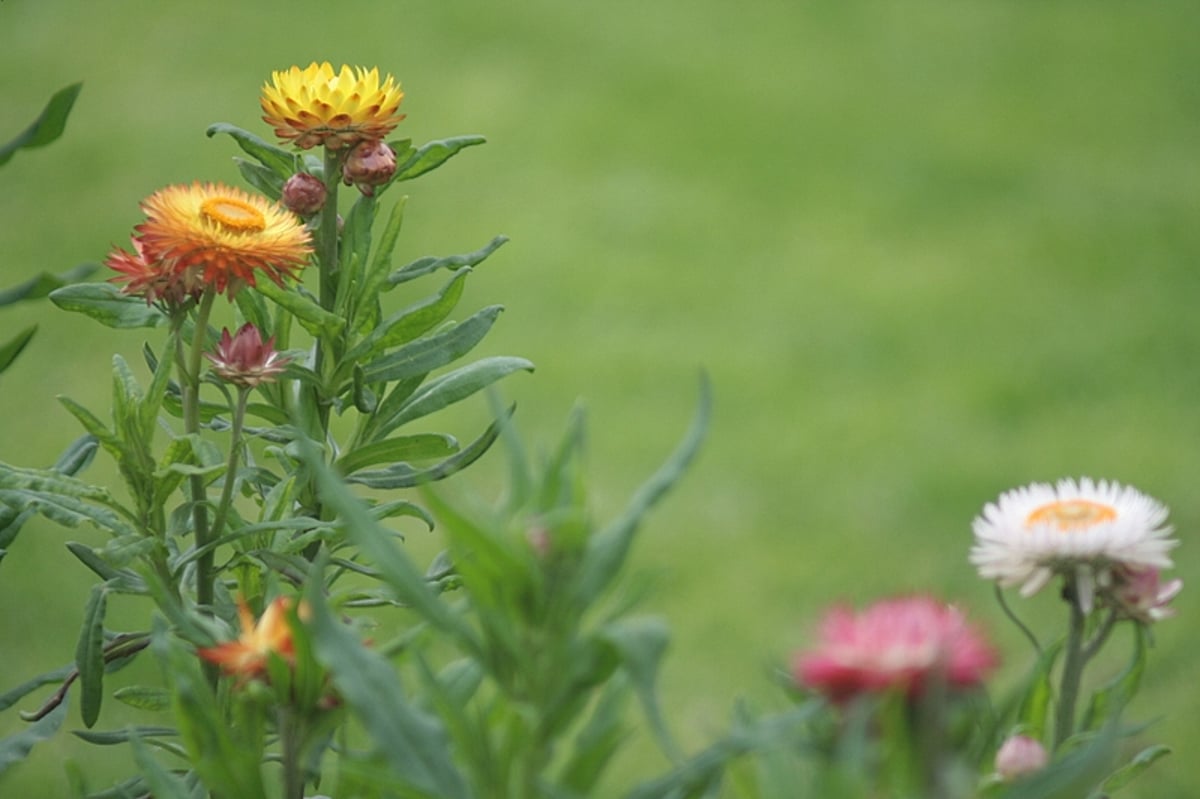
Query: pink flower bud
[303, 194]
[1142, 595]
[1020, 756]
[245, 359]
[370, 164]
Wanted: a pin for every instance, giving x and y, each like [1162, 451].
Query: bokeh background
[927, 251]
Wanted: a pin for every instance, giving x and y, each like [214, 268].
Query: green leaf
[106, 304]
[115, 737]
[122, 580]
[423, 266]
[264, 179]
[453, 387]
[375, 542]
[433, 154]
[75, 458]
[366, 302]
[16, 747]
[412, 741]
[1038, 693]
[598, 741]
[48, 126]
[161, 783]
[1110, 700]
[312, 317]
[66, 510]
[1140, 762]
[12, 348]
[89, 655]
[606, 551]
[423, 446]
[432, 352]
[402, 475]
[278, 160]
[642, 643]
[406, 325]
[37, 287]
[144, 697]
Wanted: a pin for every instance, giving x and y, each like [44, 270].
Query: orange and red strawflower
[317, 106]
[209, 235]
[895, 644]
[151, 280]
[272, 634]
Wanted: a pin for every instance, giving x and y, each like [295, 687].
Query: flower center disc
[1071, 514]
[234, 214]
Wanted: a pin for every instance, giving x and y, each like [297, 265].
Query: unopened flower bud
[1020, 756]
[370, 164]
[245, 359]
[304, 194]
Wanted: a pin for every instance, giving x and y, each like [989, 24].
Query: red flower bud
[370, 164]
[303, 194]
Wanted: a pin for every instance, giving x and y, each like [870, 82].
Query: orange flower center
[1071, 514]
[233, 214]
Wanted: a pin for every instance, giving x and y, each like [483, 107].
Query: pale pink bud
[1142, 595]
[1020, 756]
[303, 194]
[245, 359]
[370, 164]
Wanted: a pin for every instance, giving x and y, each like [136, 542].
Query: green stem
[291, 742]
[190, 381]
[235, 448]
[1072, 672]
[1012, 616]
[327, 263]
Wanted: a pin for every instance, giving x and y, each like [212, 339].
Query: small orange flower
[209, 234]
[147, 279]
[315, 105]
[247, 656]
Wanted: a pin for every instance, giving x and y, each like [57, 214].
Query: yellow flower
[209, 234]
[316, 106]
[247, 656]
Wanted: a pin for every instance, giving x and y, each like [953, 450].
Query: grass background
[927, 250]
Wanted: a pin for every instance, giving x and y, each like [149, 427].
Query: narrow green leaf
[278, 160]
[376, 543]
[453, 387]
[402, 475]
[17, 747]
[642, 643]
[48, 126]
[366, 302]
[433, 352]
[161, 783]
[115, 737]
[1140, 762]
[1038, 693]
[89, 655]
[145, 697]
[106, 304]
[413, 742]
[122, 580]
[1110, 700]
[67, 511]
[607, 550]
[14, 695]
[10, 349]
[433, 154]
[311, 316]
[423, 266]
[423, 446]
[598, 741]
[37, 287]
[413, 321]
[265, 179]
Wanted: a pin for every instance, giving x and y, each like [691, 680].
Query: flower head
[894, 644]
[1141, 594]
[315, 105]
[303, 194]
[247, 656]
[148, 279]
[1078, 528]
[245, 359]
[209, 234]
[1020, 756]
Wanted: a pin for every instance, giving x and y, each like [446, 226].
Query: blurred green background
[927, 251]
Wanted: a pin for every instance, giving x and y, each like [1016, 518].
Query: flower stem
[235, 448]
[1072, 672]
[1012, 616]
[291, 741]
[190, 381]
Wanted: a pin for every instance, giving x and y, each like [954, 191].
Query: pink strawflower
[894, 644]
[1142, 595]
[245, 359]
[1020, 756]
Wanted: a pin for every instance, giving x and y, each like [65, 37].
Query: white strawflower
[1083, 529]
